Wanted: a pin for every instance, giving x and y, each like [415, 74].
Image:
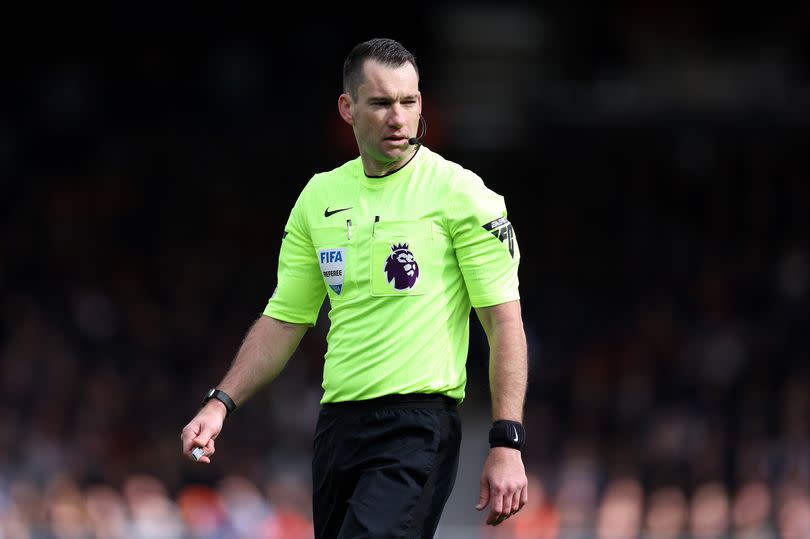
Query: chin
[394, 154]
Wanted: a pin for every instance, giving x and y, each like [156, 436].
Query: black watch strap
[223, 397]
[505, 433]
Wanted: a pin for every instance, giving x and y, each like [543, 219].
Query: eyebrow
[388, 99]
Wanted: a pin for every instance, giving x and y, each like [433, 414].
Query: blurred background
[654, 160]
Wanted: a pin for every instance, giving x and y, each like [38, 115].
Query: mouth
[397, 139]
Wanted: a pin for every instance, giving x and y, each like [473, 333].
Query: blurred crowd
[665, 283]
[624, 509]
[666, 310]
[237, 508]
[143, 508]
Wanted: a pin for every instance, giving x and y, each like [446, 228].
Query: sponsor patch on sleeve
[333, 267]
[501, 228]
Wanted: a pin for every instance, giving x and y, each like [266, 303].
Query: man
[403, 242]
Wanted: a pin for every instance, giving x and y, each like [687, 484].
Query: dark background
[654, 161]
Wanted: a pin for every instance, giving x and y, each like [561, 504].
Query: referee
[404, 243]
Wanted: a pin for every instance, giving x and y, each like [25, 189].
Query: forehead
[385, 80]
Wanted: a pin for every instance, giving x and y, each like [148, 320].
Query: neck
[377, 169]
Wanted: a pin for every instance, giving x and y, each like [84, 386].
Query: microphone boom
[413, 141]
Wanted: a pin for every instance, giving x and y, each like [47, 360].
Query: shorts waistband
[410, 400]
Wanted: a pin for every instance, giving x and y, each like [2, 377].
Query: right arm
[269, 344]
[263, 354]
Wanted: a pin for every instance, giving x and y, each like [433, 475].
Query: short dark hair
[383, 50]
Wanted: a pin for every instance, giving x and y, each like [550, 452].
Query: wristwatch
[505, 433]
[223, 397]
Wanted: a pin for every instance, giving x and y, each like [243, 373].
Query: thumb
[206, 433]
[483, 499]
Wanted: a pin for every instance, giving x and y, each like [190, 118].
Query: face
[384, 116]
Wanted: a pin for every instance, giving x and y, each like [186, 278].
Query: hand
[503, 484]
[203, 430]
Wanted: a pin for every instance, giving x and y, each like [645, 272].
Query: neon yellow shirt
[402, 259]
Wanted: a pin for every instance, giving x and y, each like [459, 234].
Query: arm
[263, 354]
[503, 480]
[508, 359]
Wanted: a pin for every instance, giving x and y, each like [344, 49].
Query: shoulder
[320, 191]
[454, 174]
[333, 179]
[325, 186]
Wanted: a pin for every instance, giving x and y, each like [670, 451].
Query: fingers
[501, 504]
[209, 451]
[515, 506]
[187, 436]
[189, 432]
[503, 485]
[524, 496]
[507, 504]
[206, 435]
[493, 519]
[497, 514]
[198, 434]
[483, 498]
[203, 454]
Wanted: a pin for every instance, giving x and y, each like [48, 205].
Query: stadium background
[654, 159]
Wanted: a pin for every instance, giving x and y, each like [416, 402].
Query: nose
[397, 117]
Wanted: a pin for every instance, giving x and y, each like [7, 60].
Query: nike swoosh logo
[515, 439]
[327, 213]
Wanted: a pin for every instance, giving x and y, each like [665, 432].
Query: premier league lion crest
[401, 267]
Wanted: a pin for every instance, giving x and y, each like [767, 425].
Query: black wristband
[223, 397]
[505, 433]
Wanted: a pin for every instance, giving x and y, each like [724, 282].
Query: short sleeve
[300, 290]
[484, 241]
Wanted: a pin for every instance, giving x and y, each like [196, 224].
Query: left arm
[508, 359]
[503, 480]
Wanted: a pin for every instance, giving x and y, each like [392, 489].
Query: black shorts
[384, 467]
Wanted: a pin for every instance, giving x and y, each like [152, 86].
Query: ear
[419, 101]
[345, 108]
